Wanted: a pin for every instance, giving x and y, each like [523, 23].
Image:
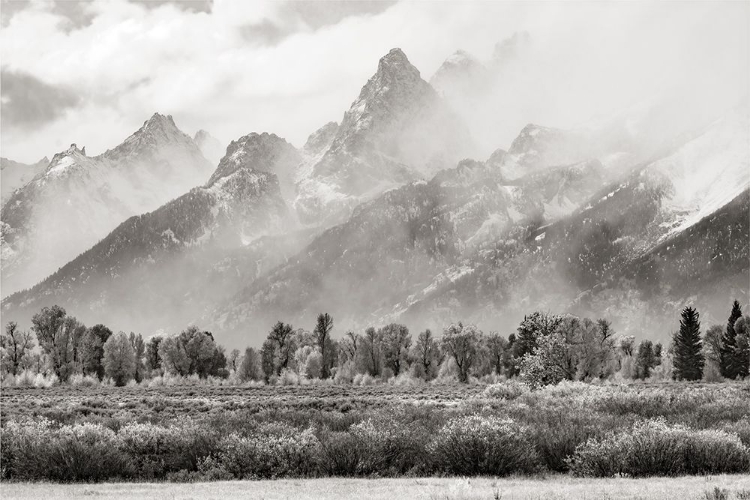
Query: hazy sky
[91, 72]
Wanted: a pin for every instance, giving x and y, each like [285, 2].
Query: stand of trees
[544, 349]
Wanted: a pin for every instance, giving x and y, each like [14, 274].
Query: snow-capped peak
[262, 152]
[158, 131]
[396, 62]
[64, 160]
[396, 85]
[159, 121]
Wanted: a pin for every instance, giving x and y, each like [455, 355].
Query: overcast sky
[91, 72]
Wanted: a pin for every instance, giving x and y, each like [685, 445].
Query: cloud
[236, 67]
[188, 5]
[28, 102]
[72, 14]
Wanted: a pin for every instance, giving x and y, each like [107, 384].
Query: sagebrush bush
[81, 452]
[387, 446]
[274, 451]
[654, 447]
[340, 453]
[509, 389]
[78, 380]
[160, 450]
[483, 445]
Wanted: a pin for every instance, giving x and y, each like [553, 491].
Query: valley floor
[551, 487]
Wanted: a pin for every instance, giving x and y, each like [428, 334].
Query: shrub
[24, 379]
[79, 380]
[46, 381]
[483, 445]
[273, 451]
[289, 377]
[159, 450]
[81, 452]
[654, 447]
[387, 446]
[741, 428]
[364, 379]
[340, 453]
[509, 389]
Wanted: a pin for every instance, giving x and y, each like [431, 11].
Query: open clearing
[552, 487]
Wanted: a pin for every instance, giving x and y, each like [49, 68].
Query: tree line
[544, 349]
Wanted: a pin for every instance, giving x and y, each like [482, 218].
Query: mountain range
[384, 217]
[78, 199]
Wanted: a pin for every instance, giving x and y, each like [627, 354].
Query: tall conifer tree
[728, 364]
[688, 355]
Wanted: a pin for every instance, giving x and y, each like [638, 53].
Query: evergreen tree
[742, 347]
[688, 356]
[728, 362]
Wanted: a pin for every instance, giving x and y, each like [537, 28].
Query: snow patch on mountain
[706, 173]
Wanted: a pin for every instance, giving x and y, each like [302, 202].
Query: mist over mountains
[77, 200]
[398, 213]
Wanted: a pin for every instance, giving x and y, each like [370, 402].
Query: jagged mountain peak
[396, 60]
[397, 85]
[395, 73]
[461, 58]
[202, 135]
[397, 130]
[460, 74]
[511, 48]
[159, 121]
[262, 152]
[64, 160]
[73, 149]
[209, 145]
[528, 135]
[321, 138]
[159, 130]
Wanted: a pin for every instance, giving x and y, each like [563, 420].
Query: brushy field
[216, 433]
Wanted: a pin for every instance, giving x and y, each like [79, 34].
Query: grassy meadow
[555, 487]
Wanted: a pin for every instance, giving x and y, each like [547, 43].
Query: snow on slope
[706, 173]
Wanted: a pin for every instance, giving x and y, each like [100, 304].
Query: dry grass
[549, 488]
